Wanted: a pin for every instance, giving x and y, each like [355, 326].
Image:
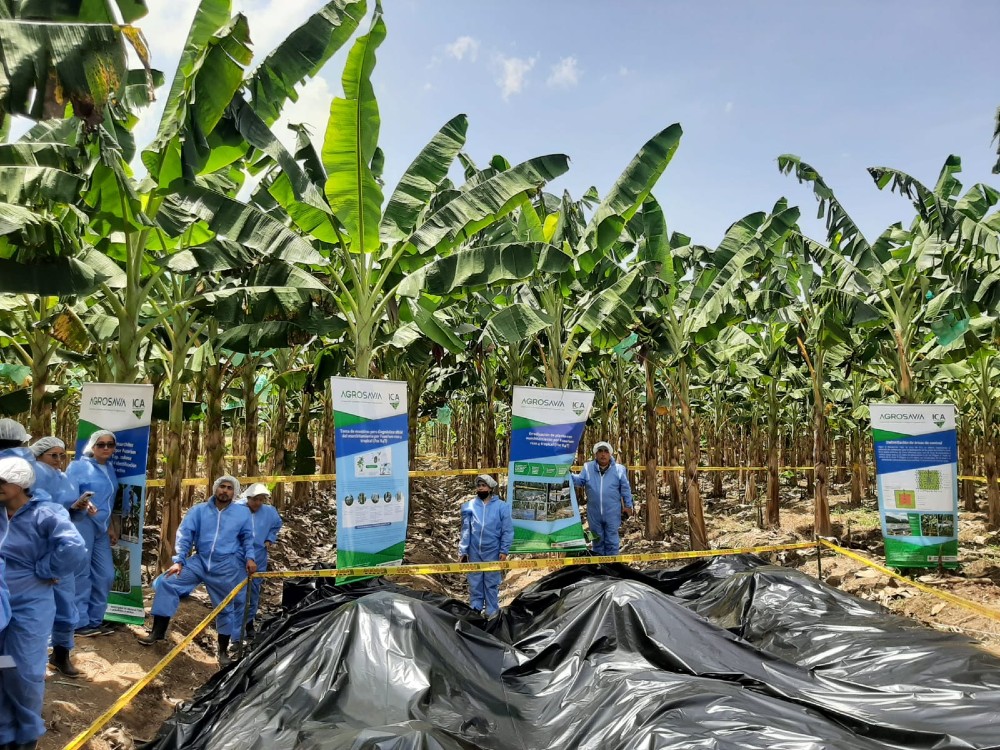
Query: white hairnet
[226, 478]
[89, 448]
[257, 489]
[11, 429]
[45, 444]
[487, 480]
[606, 446]
[17, 471]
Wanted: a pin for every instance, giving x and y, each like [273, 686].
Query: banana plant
[54, 60]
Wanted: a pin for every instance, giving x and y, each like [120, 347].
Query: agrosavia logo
[119, 403]
[371, 396]
[543, 403]
[937, 418]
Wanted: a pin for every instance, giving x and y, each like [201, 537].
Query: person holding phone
[95, 475]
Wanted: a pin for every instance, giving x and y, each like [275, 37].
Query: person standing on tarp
[38, 547]
[266, 524]
[214, 546]
[609, 494]
[95, 476]
[487, 533]
[50, 457]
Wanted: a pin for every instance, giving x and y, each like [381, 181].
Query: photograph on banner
[371, 438]
[546, 427]
[916, 467]
[125, 410]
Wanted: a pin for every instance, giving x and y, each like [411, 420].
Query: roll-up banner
[546, 428]
[125, 410]
[371, 437]
[916, 465]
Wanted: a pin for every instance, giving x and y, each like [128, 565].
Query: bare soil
[110, 664]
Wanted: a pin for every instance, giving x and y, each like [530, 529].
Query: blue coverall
[222, 543]
[487, 533]
[605, 493]
[266, 524]
[40, 545]
[94, 580]
[63, 493]
[4, 593]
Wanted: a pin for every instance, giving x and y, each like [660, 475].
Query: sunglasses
[56, 455]
[104, 445]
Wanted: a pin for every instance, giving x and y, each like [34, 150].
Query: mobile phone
[88, 494]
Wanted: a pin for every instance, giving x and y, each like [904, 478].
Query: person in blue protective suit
[13, 436]
[50, 455]
[487, 533]
[266, 524]
[609, 495]
[94, 473]
[40, 546]
[214, 546]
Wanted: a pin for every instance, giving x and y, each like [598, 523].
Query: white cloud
[428, 86]
[729, 107]
[623, 71]
[312, 109]
[564, 74]
[464, 46]
[513, 72]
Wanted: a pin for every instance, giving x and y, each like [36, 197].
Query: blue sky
[845, 85]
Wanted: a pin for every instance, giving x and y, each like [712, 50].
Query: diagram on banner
[374, 464]
[922, 490]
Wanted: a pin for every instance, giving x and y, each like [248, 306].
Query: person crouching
[214, 546]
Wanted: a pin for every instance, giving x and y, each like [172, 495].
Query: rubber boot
[61, 661]
[224, 660]
[24, 745]
[158, 632]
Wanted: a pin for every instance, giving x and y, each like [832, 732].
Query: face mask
[483, 493]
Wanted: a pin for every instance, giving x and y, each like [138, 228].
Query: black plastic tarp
[719, 655]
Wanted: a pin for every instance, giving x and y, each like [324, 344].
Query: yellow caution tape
[979, 609]
[81, 739]
[540, 563]
[462, 472]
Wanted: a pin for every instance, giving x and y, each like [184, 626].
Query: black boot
[158, 632]
[24, 745]
[60, 660]
[224, 660]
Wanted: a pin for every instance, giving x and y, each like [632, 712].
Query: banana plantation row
[238, 274]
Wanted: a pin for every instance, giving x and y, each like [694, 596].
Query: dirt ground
[110, 664]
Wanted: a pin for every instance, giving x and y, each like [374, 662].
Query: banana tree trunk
[40, 420]
[654, 525]
[300, 491]
[278, 441]
[967, 456]
[992, 488]
[251, 410]
[773, 513]
[692, 457]
[170, 518]
[329, 459]
[193, 457]
[214, 440]
[822, 523]
[855, 501]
